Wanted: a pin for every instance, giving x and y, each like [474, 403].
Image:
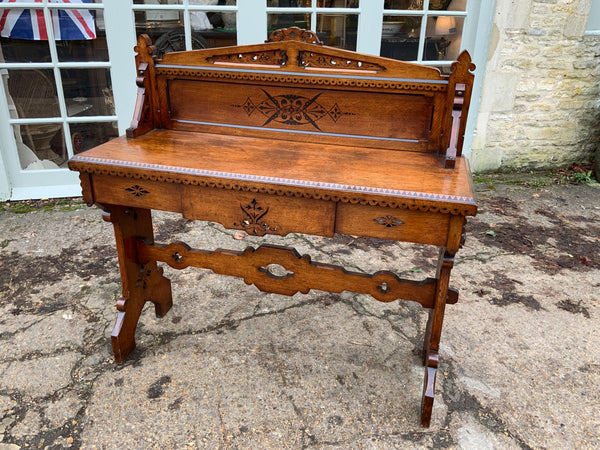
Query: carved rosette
[137, 191]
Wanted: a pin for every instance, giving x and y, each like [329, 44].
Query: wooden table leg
[140, 282]
[433, 331]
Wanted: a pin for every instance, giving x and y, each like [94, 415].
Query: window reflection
[444, 37]
[400, 37]
[40, 146]
[338, 30]
[88, 92]
[208, 29]
[85, 136]
[33, 93]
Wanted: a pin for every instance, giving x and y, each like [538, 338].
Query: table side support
[435, 320]
[141, 282]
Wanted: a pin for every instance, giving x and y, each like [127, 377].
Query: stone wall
[540, 106]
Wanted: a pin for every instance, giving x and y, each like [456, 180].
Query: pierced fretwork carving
[298, 273]
[271, 57]
[323, 61]
[253, 222]
[145, 275]
[294, 34]
[389, 221]
[137, 191]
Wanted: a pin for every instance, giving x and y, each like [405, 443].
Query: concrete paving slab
[231, 367]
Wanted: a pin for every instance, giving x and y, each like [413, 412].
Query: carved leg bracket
[141, 282]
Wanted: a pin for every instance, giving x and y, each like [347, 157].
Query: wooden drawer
[397, 224]
[137, 193]
[257, 213]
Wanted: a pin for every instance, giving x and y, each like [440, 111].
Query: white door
[69, 78]
[57, 92]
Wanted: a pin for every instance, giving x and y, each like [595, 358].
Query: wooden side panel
[402, 119]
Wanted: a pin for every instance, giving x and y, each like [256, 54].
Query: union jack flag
[67, 24]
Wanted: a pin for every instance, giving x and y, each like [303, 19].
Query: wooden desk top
[365, 175]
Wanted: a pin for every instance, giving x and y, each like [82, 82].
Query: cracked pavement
[231, 367]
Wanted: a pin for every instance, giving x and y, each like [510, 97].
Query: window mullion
[370, 23]
[58, 79]
[187, 27]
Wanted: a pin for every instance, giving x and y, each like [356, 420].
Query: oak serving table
[284, 137]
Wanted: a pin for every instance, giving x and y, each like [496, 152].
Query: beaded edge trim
[172, 174]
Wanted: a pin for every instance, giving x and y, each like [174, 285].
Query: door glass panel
[167, 32]
[447, 5]
[403, 4]
[276, 21]
[18, 37]
[444, 37]
[88, 48]
[88, 92]
[338, 30]
[337, 3]
[159, 2]
[40, 146]
[165, 28]
[33, 93]
[88, 135]
[213, 28]
[289, 3]
[400, 37]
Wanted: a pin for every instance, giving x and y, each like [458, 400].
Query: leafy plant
[583, 177]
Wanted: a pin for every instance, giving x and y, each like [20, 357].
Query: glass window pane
[289, 3]
[88, 92]
[19, 42]
[88, 135]
[165, 28]
[277, 21]
[444, 35]
[403, 4]
[159, 2]
[447, 5]
[337, 3]
[86, 49]
[33, 93]
[338, 30]
[223, 33]
[21, 50]
[40, 146]
[400, 37]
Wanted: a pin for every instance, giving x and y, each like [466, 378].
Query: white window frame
[593, 24]
[59, 182]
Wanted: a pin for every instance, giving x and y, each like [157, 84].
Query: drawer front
[137, 193]
[259, 214]
[396, 224]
